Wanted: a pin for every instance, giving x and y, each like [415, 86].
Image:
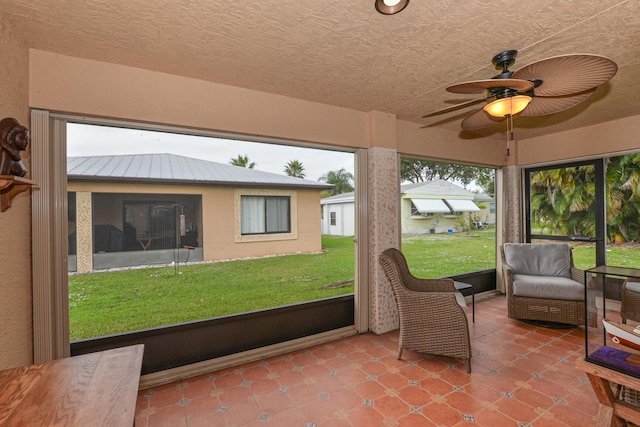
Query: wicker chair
[630, 304]
[432, 317]
[542, 283]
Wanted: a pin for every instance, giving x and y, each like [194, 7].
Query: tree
[414, 170]
[294, 168]
[242, 161]
[341, 180]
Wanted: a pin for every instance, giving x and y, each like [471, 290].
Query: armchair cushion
[538, 260]
[547, 287]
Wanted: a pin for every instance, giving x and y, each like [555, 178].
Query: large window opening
[168, 229]
[593, 205]
[448, 218]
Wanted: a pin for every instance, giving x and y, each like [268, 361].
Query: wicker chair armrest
[426, 304]
[430, 285]
[507, 276]
[577, 275]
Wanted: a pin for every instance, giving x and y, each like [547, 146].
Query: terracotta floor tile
[493, 418]
[516, 409]
[415, 420]
[415, 396]
[288, 417]
[522, 375]
[442, 414]
[275, 402]
[365, 416]
[169, 416]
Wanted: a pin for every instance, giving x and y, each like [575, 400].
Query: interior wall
[445, 145]
[15, 223]
[74, 85]
[604, 138]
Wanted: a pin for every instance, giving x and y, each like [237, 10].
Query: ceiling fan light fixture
[389, 7]
[509, 106]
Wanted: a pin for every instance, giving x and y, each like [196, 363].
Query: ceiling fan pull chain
[509, 133]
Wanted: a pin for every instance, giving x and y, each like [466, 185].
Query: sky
[90, 140]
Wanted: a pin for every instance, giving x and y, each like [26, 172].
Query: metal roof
[439, 187]
[174, 169]
[339, 198]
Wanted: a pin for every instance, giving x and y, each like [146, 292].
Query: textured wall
[512, 203]
[383, 234]
[15, 223]
[84, 232]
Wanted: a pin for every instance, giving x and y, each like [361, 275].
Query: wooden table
[612, 412]
[96, 389]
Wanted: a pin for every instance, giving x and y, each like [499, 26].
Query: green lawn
[107, 303]
[438, 255]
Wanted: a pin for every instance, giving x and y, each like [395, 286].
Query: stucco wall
[220, 222]
[15, 251]
[616, 136]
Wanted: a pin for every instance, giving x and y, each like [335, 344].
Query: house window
[333, 218]
[265, 214]
[414, 210]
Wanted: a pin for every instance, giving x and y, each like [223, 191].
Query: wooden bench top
[93, 389]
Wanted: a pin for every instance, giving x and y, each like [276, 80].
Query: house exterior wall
[439, 222]
[15, 251]
[345, 219]
[220, 237]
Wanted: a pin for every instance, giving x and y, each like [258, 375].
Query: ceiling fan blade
[541, 106]
[480, 86]
[457, 107]
[568, 74]
[479, 120]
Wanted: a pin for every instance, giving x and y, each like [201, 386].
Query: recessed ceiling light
[389, 7]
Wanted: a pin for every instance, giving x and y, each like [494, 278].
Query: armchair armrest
[430, 285]
[430, 306]
[507, 276]
[577, 274]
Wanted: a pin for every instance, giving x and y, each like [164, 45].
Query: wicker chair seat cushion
[561, 288]
[546, 259]
[633, 286]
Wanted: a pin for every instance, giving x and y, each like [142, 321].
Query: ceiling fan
[543, 87]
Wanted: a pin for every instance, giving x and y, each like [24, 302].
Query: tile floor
[522, 376]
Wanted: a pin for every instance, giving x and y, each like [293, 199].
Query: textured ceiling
[344, 53]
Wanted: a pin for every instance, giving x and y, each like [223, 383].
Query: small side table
[462, 286]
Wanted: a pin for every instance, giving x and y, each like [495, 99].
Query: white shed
[338, 215]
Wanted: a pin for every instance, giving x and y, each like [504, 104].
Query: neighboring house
[437, 207]
[338, 215]
[487, 205]
[155, 208]
[425, 207]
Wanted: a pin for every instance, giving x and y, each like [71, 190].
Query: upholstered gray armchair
[542, 283]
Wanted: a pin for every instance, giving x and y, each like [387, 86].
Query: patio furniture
[462, 286]
[432, 312]
[630, 304]
[542, 283]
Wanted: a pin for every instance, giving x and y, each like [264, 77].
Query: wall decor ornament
[14, 138]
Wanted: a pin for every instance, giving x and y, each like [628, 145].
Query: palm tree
[242, 161]
[341, 180]
[294, 168]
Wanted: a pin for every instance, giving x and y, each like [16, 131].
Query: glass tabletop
[615, 271]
